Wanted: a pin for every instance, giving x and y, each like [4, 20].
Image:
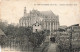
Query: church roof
[39, 13]
[1, 32]
[47, 13]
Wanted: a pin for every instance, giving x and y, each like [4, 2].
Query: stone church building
[47, 19]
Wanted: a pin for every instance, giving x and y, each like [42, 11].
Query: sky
[68, 10]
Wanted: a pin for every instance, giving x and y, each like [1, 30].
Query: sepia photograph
[39, 25]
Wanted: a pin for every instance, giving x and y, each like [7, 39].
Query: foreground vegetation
[22, 37]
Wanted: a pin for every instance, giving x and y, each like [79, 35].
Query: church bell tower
[25, 12]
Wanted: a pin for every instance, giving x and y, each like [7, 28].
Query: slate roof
[47, 13]
[44, 13]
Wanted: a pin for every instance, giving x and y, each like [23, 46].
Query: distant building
[37, 27]
[64, 35]
[65, 32]
[75, 29]
[1, 33]
[62, 27]
[2, 36]
[47, 19]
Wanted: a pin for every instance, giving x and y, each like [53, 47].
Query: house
[37, 27]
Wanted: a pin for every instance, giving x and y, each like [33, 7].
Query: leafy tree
[23, 36]
[37, 39]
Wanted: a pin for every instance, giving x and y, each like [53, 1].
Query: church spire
[24, 11]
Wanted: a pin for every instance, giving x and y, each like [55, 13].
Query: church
[47, 19]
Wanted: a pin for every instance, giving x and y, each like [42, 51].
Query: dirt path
[52, 47]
